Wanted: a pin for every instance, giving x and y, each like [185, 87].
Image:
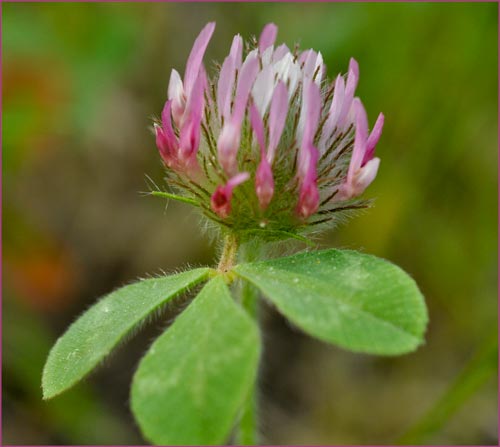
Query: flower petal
[237, 180]
[177, 96]
[366, 175]
[189, 138]
[258, 128]
[319, 69]
[227, 146]
[267, 37]
[266, 57]
[334, 112]
[308, 122]
[304, 56]
[196, 56]
[229, 138]
[264, 183]
[280, 52]
[308, 202]
[220, 201]
[262, 89]
[313, 100]
[373, 139]
[168, 130]
[312, 63]
[225, 87]
[361, 180]
[360, 138]
[236, 51]
[246, 78]
[352, 83]
[277, 118]
[289, 72]
[162, 145]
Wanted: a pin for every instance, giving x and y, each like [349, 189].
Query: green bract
[192, 383]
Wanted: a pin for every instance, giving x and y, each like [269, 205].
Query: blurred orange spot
[40, 81]
[46, 281]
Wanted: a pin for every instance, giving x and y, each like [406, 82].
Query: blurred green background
[80, 85]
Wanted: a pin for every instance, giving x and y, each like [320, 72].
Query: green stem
[229, 252]
[247, 433]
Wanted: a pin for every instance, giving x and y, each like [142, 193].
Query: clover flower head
[267, 141]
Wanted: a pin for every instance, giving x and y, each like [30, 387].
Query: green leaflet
[357, 301]
[101, 328]
[195, 377]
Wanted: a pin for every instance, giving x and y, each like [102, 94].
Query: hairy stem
[229, 252]
[247, 433]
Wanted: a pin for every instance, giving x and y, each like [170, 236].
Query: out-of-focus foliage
[81, 83]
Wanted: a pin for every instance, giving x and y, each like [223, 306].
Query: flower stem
[229, 253]
[247, 433]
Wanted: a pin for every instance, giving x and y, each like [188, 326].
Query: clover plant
[268, 150]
